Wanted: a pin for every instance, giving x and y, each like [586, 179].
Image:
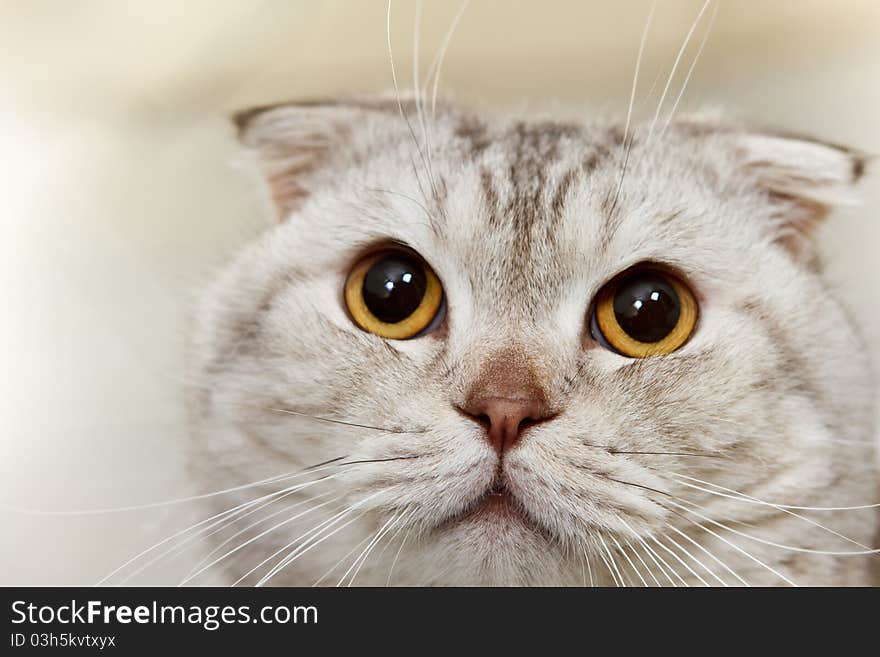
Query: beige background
[121, 190]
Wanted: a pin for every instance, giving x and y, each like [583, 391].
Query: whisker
[614, 450]
[655, 557]
[712, 556]
[180, 500]
[219, 517]
[306, 547]
[420, 111]
[176, 550]
[629, 483]
[254, 538]
[735, 547]
[691, 69]
[392, 458]
[282, 549]
[626, 556]
[675, 67]
[323, 463]
[404, 196]
[229, 540]
[755, 500]
[417, 32]
[314, 541]
[611, 558]
[635, 83]
[346, 423]
[589, 568]
[583, 568]
[391, 540]
[403, 113]
[303, 540]
[392, 522]
[650, 93]
[781, 546]
[441, 56]
[748, 498]
[339, 563]
[397, 556]
[661, 563]
[642, 561]
[628, 146]
[680, 560]
[610, 570]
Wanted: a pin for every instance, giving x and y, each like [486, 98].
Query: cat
[520, 351]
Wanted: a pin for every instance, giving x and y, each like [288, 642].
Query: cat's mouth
[497, 505]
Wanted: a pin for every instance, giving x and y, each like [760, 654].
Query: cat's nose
[506, 398]
[505, 417]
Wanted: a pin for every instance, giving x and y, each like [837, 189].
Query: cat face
[507, 435]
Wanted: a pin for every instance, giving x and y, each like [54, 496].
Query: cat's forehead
[517, 209]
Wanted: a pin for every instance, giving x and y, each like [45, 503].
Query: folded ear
[297, 145]
[803, 179]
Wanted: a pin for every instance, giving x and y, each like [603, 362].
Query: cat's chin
[492, 542]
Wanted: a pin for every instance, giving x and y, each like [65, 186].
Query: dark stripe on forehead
[561, 193]
[474, 133]
[490, 196]
[536, 147]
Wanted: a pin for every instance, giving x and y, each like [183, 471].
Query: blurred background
[122, 190]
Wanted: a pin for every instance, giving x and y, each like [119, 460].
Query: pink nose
[506, 417]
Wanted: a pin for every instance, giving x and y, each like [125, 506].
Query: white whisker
[712, 556]
[655, 557]
[589, 567]
[632, 94]
[289, 545]
[781, 546]
[631, 564]
[609, 569]
[690, 70]
[341, 560]
[738, 549]
[397, 556]
[229, 540]
[403, 113]
[690, 556]
[216, 518]
[313, 541]
[611, 557]
[747, 498]
[388, 526]
[679, 560]
[675, 68]
[642, 561]
[437, 65]
[255, 538]
[180, 500]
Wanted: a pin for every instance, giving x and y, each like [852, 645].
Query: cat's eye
[394, 294]
[644, 312]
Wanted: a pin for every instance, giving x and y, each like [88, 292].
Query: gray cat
[497, 351]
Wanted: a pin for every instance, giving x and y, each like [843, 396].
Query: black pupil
[646, 307]
[394, 288]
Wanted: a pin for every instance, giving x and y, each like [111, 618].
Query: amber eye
[394, 294]
[645, 312]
